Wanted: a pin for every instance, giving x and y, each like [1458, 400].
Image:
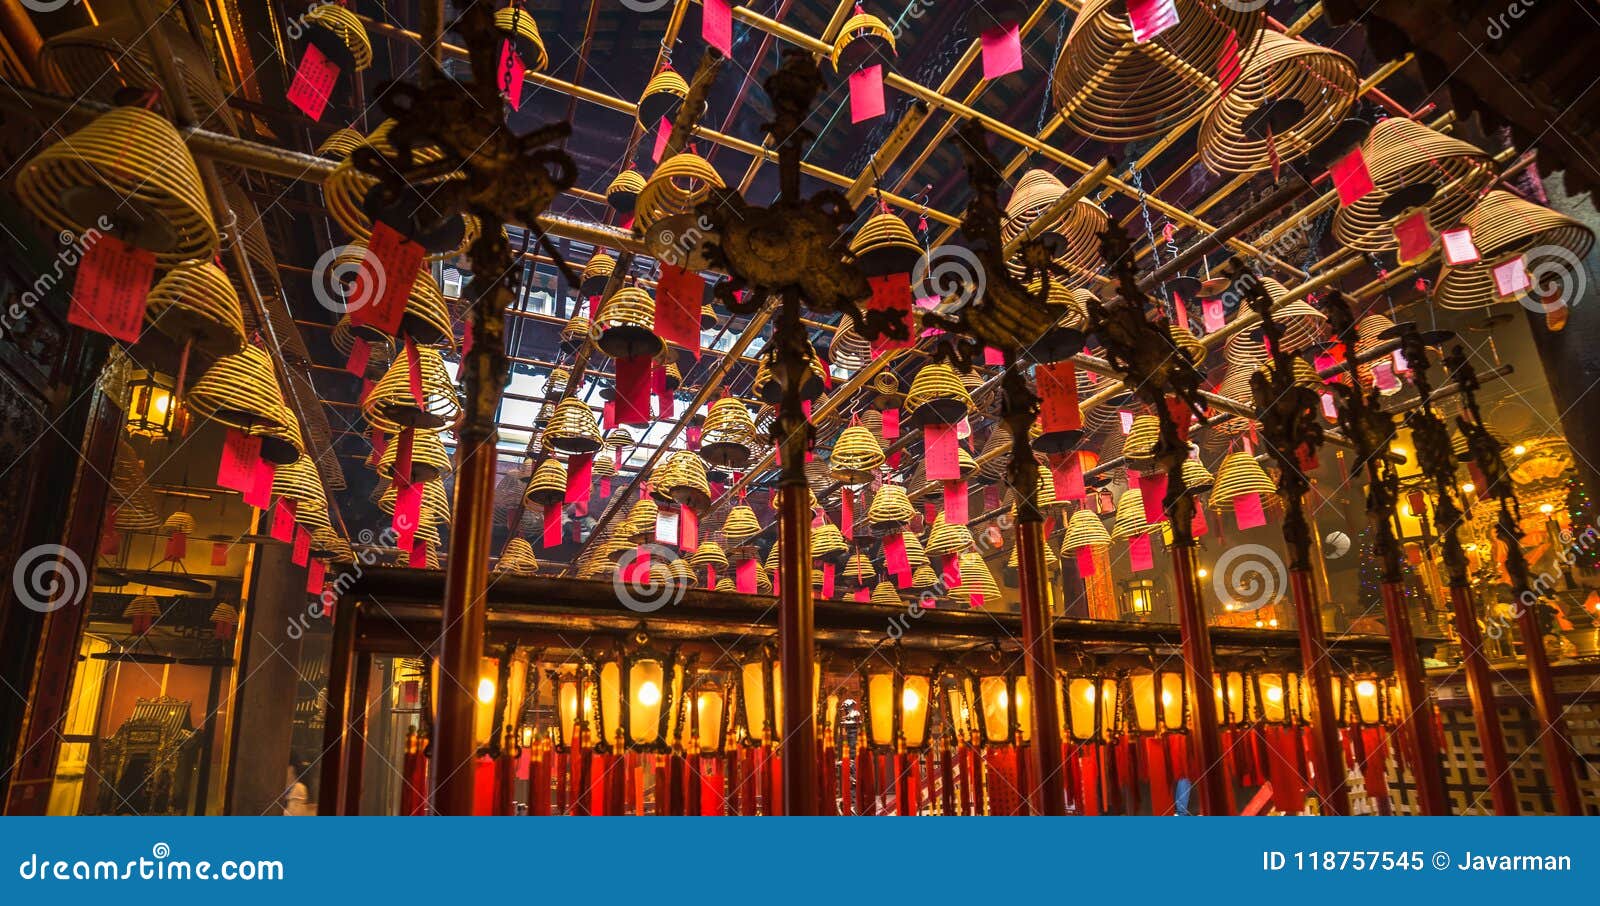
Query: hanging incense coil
[862, 40]
[131, 168]
[1084, 529]
[1098, 418]
[741, 525]
[1108, 88]
[626, 325]
[596, 273]
[642, 517]
[348, 193]
[681, 573]
[522, 31]
[885, 594]
[1289, 98]
[619, 438]
[1052, 562]
[1129, 521]
[195, 302]
[341, 144]
[179, 523]
[1412, 166]
[1301, 372]
[916, 555]
[1047, 491]
[1073, 306]
[426, 318]
[517, 559]
[1244, 351]
[976, 580]
[1303, 326]
[548, 486]
[1195, 477]
[662, 96]
[849, 350]
[240, 391]
[856, 457]
[1239, 475]
[1139, 445]
[885, 245]
[683, 478]
[346, 28]
[966, 467]
[429, 458]
[1553, 246]
[299, 481]
[937, 395]
[391, 406]
[282, 441]
[604, 466]
[142, 609]
[890, 509]
[665, 210]
[623, 193]
[729, 434]
[709, 553]
[768, 390]
[1187, 343]
[827, 542]
[435, 507]
[572, 429]
[1370, 331]
[859, 570]
[380, 347]
[946, 538]
[1073, 238]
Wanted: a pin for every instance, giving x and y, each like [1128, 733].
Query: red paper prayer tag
[580, 478]
[260, 493]
[1070, 486]
[1459, 249]
[993, 357]
[1350, 178]
[1058, 397]
[744, 577]
[1152, 492]
[892, 293]
[240, 453]
[688, 530]
[828, 576]
[511, 73]
[633, 390]
[177, 546]
[866, 94]
[383, 282]
[1415, 238]
[219, 553]
[1228, 68]
[716, 25]
[862, 595]
[950, 571]
[419, 554]
[1511, 278]
[401, 469]
[313, 83]
[1213, 315]
[407, 510]
[940, 448]
[1139, 555]
[678, 298]
[1247, 512]
[1002, 51]
[891, 424]
[314, 575]
[552, 525]
[1150, 18]
[109, 292]
[360, 353]
[1085, 561]
[1197, 525]
[894, 557]
[663, 134]
[283, 521]
[302, 546]
[955, 502]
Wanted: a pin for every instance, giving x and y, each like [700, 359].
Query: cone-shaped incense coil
[391, 405]
[572, 428]
[1084, 529]
[549, 483]
[1140, 444]
[828, 541]
[856, 456]
[976, 580]
[1290, 97]
[741, 524]
[196, 302]
[662, 95]
[517, 25]
[1129, 520]
[1553, 247]
[886, 594]
[677, 186]
[891, 507]
[729, 434]
[1412, 166]
[709, 553]
[240, 391]
[348, 29]
[624, 190]
[685, 479]
[937, 395]
[945, 538]
[1239, 475]
[861, 27]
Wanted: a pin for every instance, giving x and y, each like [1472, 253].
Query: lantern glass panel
[880, 709]
[1367, 701]
[1274, 699]
[611, 699]
[646, 697]
[959, 695]
[914, 711]
[1144, 701]
[708, 704]
[996, 704]
[1172, 700]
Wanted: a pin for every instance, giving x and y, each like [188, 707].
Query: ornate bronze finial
[1485, 452]
[1290, 424]
[1370, 431]
[1435, 457]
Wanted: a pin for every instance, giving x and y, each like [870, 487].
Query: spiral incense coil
[1554, 247]
[326, 541]
[683, 478]
[862, 36]
[1195, 477]
[678, 185]
[1289, 98]
[709, 553]
[681, 573]
[346, 28]
[626, 325]
[996, 456]
[341, 144]
[1084, 529]
[380, 347]
[1239, 475]
[768, 390]
[946, 538]
[604, 466]
[143, 607]
[856, 457]
[240, 391]
[517, 559]
[623, 193]
[1188, 343]
[916, 555]
[179, 523]
[1235, 386]
[859, 570]
[1412, 166]
[886, 384]
[596, 273]
[1369, 333]
[1099, 418]
[849, 350]
[429, 459]
[890, 508]
[549, 483]
[576, 331]
[1244, 351]
[1301, 371]
[1052, 562]
[518, 26]
[391, 407]
[299, 481]
[741, 525]
[195, 302]
[426, 318]
[966, 466]
[1046, 493]
[128, 166]
[346, 191]
[1303, 326]
[435, 508]
[729, 435]
[885, 245]
[619, 438]
[1073, 303]
[884, 594]
[1111, 89]
[1076, 233]
[1129, 522]
[937, 395]
[572, 429]
[827, 542]
[976, 580]
[1139, 446]
[137, 514]
[642, 516]
[662, 95]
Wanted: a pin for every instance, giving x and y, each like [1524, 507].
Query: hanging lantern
[1275, 691]
[1091, 708]
[1138, 599]
[937, 395]
[1005, 707]
[575, 707]
[647, 719]
[151, 405]
[897, 707]
[708, 716]
[1160, 700]
[761, 697]
[1233, 703]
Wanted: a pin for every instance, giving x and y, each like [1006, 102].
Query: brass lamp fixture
[1091, 711]
[152, 407]
[639, 692]
[1160, 700]
[898, 700]
[1004, 706]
